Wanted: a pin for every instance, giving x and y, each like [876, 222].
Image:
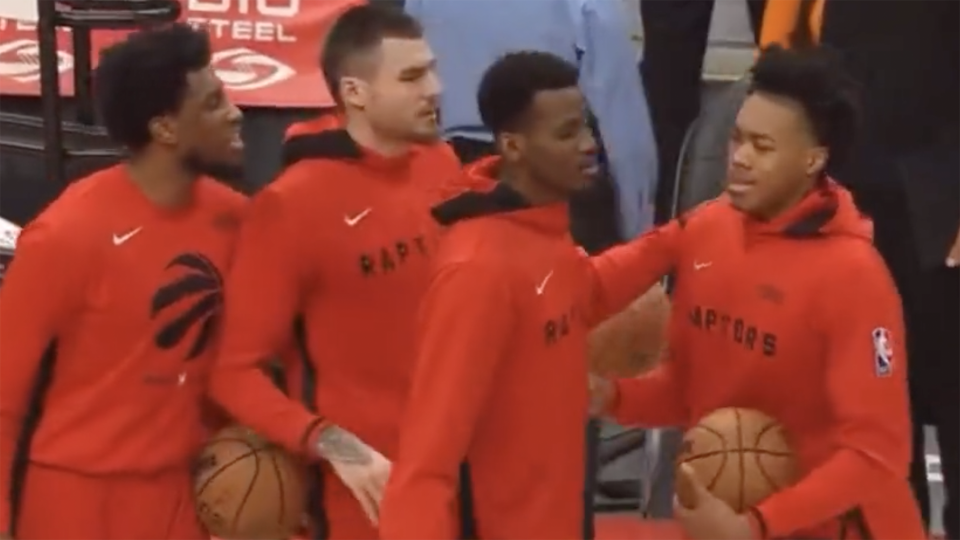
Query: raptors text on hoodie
[334, 256]
[499, 400]
[799, 318]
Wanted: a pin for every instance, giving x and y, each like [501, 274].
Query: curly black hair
[145, 76]
[815, 78]
[510, 84]
[358, 30]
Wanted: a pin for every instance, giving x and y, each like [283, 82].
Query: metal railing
[82, 17]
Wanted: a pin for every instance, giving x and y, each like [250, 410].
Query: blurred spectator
[674, 43]
[468, 35]
[906, 176]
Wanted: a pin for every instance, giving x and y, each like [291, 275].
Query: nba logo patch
[882, 352]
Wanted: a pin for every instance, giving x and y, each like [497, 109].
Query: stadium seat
[702, 165]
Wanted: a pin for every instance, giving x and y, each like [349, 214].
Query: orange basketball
[247, 488]
[632, 341]
[741, 455]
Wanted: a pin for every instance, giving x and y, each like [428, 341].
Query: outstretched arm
[623, 273]
[654, 399]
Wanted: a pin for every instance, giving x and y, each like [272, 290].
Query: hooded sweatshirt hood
[828, 210]
[477, 193]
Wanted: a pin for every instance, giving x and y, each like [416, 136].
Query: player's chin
[744, 202]
[425, 134]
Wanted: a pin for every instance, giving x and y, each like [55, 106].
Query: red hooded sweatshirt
[799, 318]
[336, 253]
[501, 373]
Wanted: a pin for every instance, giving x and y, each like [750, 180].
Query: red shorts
[57, 504]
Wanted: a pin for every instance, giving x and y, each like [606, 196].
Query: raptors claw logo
[20, 60]
[244, 69]
[192, 299]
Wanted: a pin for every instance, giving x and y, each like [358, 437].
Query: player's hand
[602, 394]
[702, 515]
[953, 256]
[361, 468]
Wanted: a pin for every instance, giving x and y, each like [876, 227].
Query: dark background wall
[25, 188]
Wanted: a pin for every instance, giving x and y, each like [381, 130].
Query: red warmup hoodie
[501, 373]
[340, 244]
[797, 317]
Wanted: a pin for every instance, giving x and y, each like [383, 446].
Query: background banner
[266, 51]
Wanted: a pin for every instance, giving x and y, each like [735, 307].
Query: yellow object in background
[781, 20]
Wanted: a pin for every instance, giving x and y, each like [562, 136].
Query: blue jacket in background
[469, 35]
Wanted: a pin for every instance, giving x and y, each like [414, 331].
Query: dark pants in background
[674, 43]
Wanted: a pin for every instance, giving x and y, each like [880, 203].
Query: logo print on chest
[192, 298]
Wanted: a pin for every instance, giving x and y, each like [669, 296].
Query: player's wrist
[311, 436]
[337, 445]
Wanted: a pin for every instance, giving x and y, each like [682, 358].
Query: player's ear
[510, 146]
[163, 130]
[816, 160]
[353, 91]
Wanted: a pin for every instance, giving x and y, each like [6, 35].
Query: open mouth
[739, 186]
[236, 143]
[591, 168]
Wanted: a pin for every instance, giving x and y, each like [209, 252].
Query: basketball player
[340, 243]
[783, 305]
[503, 327]
[110, 308]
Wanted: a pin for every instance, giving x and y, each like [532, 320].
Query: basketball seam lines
[743, 463]
[757, 456]
[755, 451]
[283, 500]
[225, 466]
[246, 496]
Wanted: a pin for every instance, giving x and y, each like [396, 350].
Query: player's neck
[163, 182]
[789, 202]
[363, 134]
[532, 191]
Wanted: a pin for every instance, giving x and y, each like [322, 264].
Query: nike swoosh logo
[121, 238]
[351, 221]
[543, 284]
[701, 266]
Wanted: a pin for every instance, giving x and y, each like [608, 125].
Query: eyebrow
[753, 134]
[419, 69]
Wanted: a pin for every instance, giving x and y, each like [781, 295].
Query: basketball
[742, 456]
[632, 341]
[248, 489]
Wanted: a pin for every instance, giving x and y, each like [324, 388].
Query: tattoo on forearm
[338, 444]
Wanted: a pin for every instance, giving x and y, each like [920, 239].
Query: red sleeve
[654, 399]
[42, 289]
[866, 378]
[465, 325]
[623, 273]
[267, 278]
